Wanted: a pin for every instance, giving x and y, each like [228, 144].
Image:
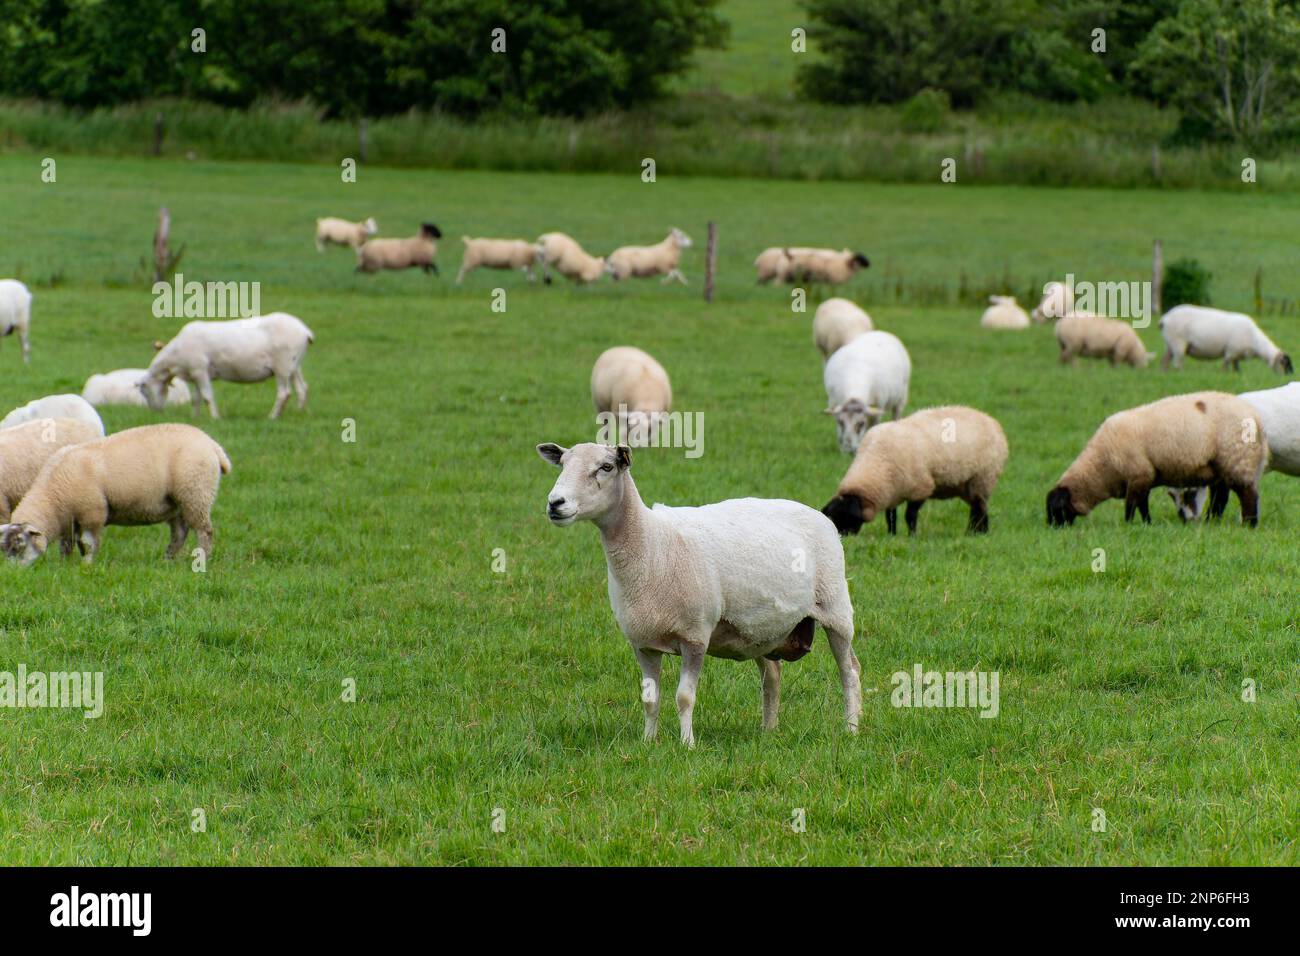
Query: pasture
[479, 689]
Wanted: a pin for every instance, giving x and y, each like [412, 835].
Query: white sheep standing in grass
[632, 385]
[497, 254]
[147, 475]
[340, 232]
[1184, 440]
[54, 406]
[16, 312]
[1004, 313]
[947, 452]
[122, 387]
[562, 253]
[661, 259]
[865, 380]
[1057, 302]
[745, 579]
[415, 251]
[1095, 336]
[24, 450]
[1206, 333]
[234, 350]
[836, 323]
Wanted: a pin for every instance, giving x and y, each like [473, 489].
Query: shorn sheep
[236, 350]
[54, 406]
[1196, 439]
[497, 254]
[122, 387]
[948, 452]
[1004, 313]
[1205, 333]
[1279, 411]
[340, 232]
[16, 312]
[836, 323]
[633, 386]
[562, 253]
[661, 259]
[418, 250]
[25, 449]
[1095, 336]
[146, 475]
[825, 266]
[865, 380]
[713, 580]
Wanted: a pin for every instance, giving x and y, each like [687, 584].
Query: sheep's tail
[222, 459]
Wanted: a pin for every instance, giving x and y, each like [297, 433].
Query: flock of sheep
[751, 578]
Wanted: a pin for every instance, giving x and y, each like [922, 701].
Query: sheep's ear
[623, 457]
[833, 410]
[551, 452]
[873, 410]
[157, 345]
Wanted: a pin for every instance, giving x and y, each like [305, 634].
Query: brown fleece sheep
[401, 253]
[1094, 336]
[24, 450]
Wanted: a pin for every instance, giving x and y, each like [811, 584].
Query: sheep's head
[683, 241]
[859, 261]
[849, 513]
[154, 391]
[22, 542]
[852, 419]
[1282, 364]
[1058, 300]
[370, 227]
[1190, 502]
[590, 485]
[429, 231]
[1060, 507]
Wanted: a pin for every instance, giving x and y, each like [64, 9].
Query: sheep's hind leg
[299, 388]
[771, 674]
[1136, 500]
[841, 641]
[891, 520]
[281, 396]
[179, 532]
[1219, 493]
[651, 663]
[692, 661]
[1248, 495]
[979, 516]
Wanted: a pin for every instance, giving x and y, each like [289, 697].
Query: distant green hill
[758, 59]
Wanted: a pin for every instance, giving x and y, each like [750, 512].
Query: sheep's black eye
[607, 467]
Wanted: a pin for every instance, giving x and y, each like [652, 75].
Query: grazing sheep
[122, 387]
[776, 263]
[823, 265]
[54, 406]
[418, 250]
[16, 312]
[1195, 439]
[948, 452]
[25, 448]
[643, 261]
[144, 475]
[710, 580]
[1206, 333]
[555, 249]
[631, 384]
[343, 233]
[497, 254]
[1279, 411]
[836, 323]
[1004, 313]
[235, 350]
[864, 380]
[1057, 302]
[1095, 336]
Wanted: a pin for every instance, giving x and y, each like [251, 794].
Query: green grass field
[479, 690]
[758, 59]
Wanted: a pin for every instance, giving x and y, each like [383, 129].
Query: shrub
[1186, 282]
[926, 112]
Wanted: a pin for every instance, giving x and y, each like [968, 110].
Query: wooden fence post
[1259, 290]
[160, 254]
[1157, 277]
[157, 133]
[710, 261]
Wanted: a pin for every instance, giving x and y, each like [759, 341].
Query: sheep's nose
[554, 504]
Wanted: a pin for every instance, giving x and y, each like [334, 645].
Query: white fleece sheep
[54, 406]
[16, 312]
[865, 380]
[661, 259]
[236, 350]
[122, 387]
[340, 232]
[497, 254]
[1095, 336]
[716, 579]
[24, 449]
[1004, 313]
[824, 265]
[633, 386]
[1196, 439]
[1057, 302]
[836, 323]
[418, 250]
[562, 253]
[1206, 333]
[947, 452]
[776, 263]
[144, 475]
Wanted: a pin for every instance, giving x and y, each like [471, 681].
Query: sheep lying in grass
[825, 266]
[497, 254]
[144, 475]
[1206, 333]
[1004, 313]
[632, 385]
[54, 406]
[865, 380]
[235, 350]
[716, 579]
[418, 250]
[1195, 439]
[836, 323]
[16, 312]
[25, 449]
[1279, 411]
[340, 232]
[661, 259]
[1058, 302]
[122, 387]
[948, 452]
[562, 253]
[1095, 336]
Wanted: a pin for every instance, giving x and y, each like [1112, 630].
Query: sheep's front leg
[203, 388]
[771, 672]
[88, 544]
[299, 388]
[1136, 501]
[891, 520]
[651, 663]
[911, 514]
[692, 661]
